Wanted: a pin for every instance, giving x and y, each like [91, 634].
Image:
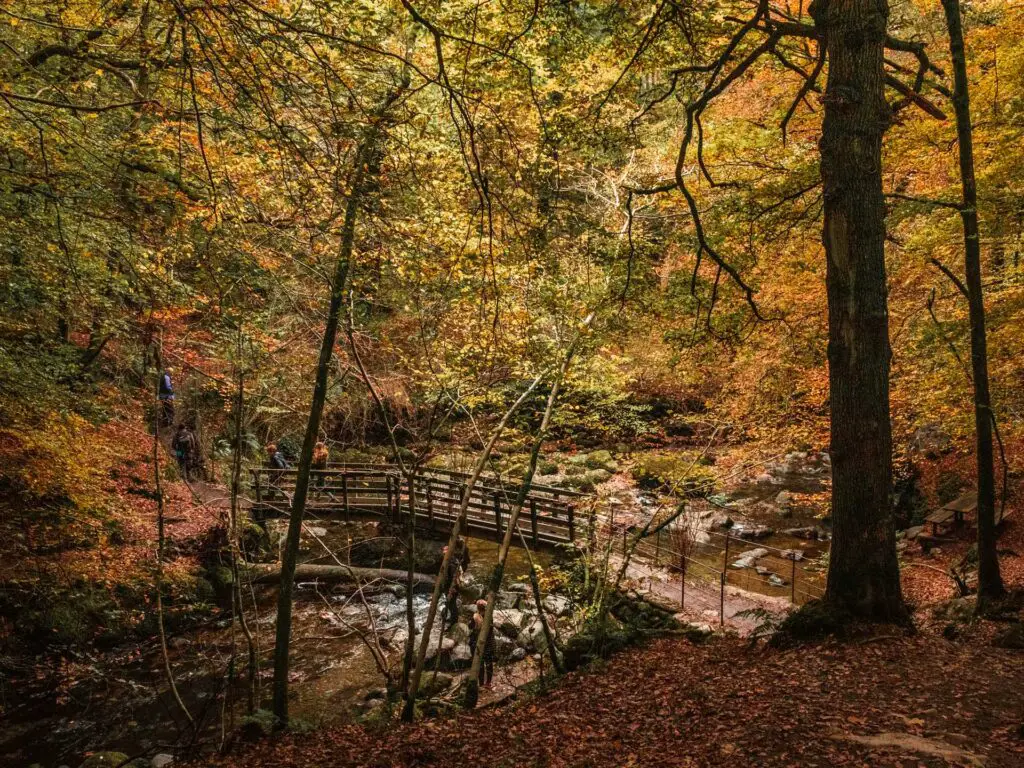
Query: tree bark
[990, 582]
[364, 156]
[864, 576]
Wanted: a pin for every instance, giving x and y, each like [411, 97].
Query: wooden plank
[966, 503]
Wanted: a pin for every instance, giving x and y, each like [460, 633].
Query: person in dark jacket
[186, 449]
[165, 394]
[275, 459]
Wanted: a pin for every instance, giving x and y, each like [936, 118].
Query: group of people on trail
[457, 565]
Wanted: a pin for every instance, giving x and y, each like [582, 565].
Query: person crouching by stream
[487, 662]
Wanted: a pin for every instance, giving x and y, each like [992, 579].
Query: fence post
[391, 508]
[497, 514]
[533, 520]
[721, 605]
[725, 555]
[657, 549]
[792, 579]
[572, 524]
[344, 497]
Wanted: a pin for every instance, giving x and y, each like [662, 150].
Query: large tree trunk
[990, 583]
[863, 575]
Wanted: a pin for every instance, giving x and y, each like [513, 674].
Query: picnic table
[953, 512]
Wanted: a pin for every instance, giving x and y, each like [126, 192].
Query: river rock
[504, 647]
[777, 581]
[810, 533]
[532, 638]
[747, 559]
[556, 604]
[432, 685]
[521, 587]
[510, 621]
[312, 530]
[518, 654]
[784, 498]
[460, 632]
[508, 600]
[762, 571]
[792, 554]
[161, 760]
[461, 657]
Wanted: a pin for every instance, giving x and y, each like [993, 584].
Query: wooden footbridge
[433, 496]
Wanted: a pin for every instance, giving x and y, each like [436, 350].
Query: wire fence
[713, 559]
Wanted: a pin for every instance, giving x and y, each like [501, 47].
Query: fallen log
[269, 574]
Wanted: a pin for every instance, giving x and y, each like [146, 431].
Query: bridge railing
[434, 496]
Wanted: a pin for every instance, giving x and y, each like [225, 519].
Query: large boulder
[532, 638]
[510, 621]
[556, 604]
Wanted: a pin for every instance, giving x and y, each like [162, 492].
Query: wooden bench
[939, 519]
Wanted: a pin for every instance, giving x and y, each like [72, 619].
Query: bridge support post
[533, 520]
[391, 503]
[344, 497]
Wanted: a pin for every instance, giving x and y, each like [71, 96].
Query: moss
[680, 473]
[814, 621]
[547, 467]
[574, 470]
[104, 760]
[597, 459]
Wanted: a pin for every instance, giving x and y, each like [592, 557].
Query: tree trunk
[990, 583]
[864, 576]
[289, 557]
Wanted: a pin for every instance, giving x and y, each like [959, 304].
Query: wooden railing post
[792, 579]
[344, 497]
[572, 524]
[533, 520]
[259, 489]
[497, 514]
[430, 502]
[391, 509]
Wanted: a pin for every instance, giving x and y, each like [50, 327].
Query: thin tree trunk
[481, 462]
[990, 583]
[864, 576]
[364, 154]
[236, 549]
[498, 576]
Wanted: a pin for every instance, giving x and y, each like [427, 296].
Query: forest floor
[881, 701]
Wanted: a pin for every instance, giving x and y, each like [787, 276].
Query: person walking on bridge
[319, 466]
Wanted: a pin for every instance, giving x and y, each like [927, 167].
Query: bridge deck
[380, 491]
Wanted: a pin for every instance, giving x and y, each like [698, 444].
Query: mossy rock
[573, 470]
[104, 760]
[597, 459]
[598, 476]
[547, 467]
[579, 483]
[1012, 638]
[675, 472]
[433, 685]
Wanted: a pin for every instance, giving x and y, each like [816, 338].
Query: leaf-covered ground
[880, 701]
